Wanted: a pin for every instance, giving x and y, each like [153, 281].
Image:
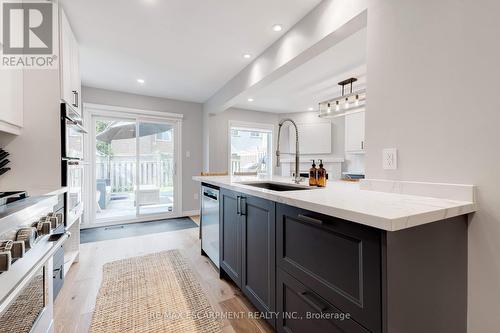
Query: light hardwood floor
[196, 219]
[75, 303]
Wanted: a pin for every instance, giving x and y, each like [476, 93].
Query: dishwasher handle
[211, 195]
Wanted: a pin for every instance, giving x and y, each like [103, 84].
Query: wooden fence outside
[121, 174]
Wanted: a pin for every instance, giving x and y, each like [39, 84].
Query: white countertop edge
[47, 191]
[373, 220]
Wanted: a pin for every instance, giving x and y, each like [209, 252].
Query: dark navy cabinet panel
[339, 260]
[303, 311]
[258, 252]
[230, 235]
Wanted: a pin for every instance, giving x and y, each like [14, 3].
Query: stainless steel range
[31, 233]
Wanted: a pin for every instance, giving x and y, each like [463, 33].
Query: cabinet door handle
[362, 145]
[75, 98]
[59, 271]
[243, 206]
[313, 301]
[309, 219]
[238, 205]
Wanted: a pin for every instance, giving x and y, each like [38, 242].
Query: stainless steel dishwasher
[210, 223]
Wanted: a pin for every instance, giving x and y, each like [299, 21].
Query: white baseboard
[191, 212]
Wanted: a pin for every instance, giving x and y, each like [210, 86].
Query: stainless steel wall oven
[72, 137]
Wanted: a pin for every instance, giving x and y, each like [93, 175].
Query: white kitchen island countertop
[345, 200]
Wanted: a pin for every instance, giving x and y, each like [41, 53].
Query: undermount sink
[280, 187]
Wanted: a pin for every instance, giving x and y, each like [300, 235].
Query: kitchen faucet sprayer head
[278, 162]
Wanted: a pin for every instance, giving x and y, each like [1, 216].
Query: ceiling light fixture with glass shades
[348, 102]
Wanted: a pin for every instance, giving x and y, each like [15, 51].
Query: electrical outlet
[188, 154]
[390, 159]
[196, 196]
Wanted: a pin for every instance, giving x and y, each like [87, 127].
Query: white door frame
[97, 110]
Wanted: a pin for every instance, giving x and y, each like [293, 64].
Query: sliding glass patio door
[134, 169]
[114, 169]
[155, 191]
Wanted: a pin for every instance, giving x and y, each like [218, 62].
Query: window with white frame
[164, 136]
[250, 148]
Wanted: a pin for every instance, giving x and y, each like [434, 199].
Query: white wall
[218, 129]
[35, 154]
[191, 131]
[432, 86]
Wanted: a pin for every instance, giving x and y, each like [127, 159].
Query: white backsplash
[333, 166]
[354, 163]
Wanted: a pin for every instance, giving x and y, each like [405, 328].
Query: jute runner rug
[152, 293]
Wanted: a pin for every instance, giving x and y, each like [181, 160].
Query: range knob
[60, 216]
[5, 260]
[54, 222]
[16, 248]
[5, 255]
[27, 235]
[53, 219]
[42, 227]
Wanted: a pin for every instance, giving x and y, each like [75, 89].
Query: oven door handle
[77, 124]
[76, 162]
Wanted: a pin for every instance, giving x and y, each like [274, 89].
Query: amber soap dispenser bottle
[321, 182]
[313, 175]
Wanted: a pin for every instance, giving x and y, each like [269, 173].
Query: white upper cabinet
[70, 65]
[11, 101]
[355, 132]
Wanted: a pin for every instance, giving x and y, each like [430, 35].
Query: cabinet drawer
[337, 259]
[302, 310]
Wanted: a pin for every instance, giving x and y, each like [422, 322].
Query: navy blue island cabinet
[319, 273]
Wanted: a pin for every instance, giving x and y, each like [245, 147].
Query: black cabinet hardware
[309, 219]
[243, 206]
[313, 301]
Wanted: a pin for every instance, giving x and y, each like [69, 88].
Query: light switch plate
[390, 159]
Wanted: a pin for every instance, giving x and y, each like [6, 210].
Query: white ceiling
[183, 49]
[315, 81]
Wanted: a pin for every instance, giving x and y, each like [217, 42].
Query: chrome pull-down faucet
[297, 179]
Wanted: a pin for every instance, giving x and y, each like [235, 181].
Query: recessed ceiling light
[277, 27]
[141, 81]
[247, 56]
[250, 99]
[310, 108]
